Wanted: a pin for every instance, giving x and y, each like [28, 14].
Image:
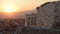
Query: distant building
[30, 19]
[48, 14]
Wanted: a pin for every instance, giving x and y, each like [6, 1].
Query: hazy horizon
[8, 7]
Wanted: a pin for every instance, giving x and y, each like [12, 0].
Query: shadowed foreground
[38, 31]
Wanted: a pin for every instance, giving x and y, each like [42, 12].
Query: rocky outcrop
[46, 14]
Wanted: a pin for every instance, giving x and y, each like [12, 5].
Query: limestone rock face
[47, 14]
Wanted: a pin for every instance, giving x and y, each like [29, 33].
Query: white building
[48, 14]
[30, 19]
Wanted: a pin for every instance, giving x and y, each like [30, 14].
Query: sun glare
[9, 8]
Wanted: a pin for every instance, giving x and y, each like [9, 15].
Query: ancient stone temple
[30, 19]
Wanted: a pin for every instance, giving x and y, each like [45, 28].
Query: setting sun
[9, 8]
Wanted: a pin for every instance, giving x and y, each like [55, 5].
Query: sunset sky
[21, 5]
[9, 6]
